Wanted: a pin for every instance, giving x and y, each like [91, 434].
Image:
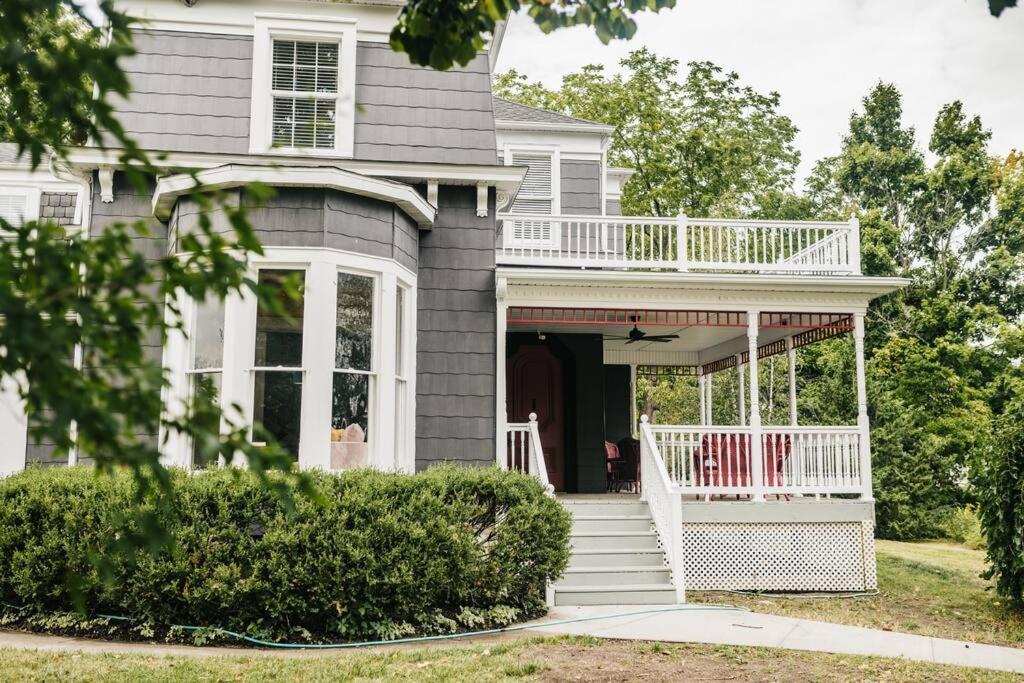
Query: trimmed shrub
[381, 555]
[1000, 482]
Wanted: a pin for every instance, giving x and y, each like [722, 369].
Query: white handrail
[682, 243]
[713, 460]
[665, 503]
[525, 453]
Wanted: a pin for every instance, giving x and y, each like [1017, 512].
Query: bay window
[328, 374]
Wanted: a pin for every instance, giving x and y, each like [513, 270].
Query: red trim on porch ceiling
[534, 315]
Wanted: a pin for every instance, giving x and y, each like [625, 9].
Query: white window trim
[267, 28]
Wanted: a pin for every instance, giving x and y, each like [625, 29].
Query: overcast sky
[822, 56]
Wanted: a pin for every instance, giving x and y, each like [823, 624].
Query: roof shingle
[504, 110]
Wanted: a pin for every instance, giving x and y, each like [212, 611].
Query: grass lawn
[930, 588]
[543, 659]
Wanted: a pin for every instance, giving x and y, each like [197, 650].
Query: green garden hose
[424, 639]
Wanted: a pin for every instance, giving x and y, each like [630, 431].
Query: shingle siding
[581, 187]
[613, 207]
[58, 207]
[411, 113]
[315, 217]
[191, 92]
[455, 359]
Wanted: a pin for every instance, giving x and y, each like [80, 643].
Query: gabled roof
[515, 115]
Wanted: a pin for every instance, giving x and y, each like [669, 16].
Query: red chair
[614, 462]
[722, 460]
[777, 450]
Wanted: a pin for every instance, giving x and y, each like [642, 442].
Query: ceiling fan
[636, 334]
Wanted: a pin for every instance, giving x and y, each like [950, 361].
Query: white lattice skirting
[780, 556]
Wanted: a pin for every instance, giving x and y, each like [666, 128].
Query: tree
[441, 33]
[705, 145]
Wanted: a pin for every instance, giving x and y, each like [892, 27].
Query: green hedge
[382, 555]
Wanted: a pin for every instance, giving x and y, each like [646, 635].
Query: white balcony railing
[794, 460]
[524, 452]
[680, 244]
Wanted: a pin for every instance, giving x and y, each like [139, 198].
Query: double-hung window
[303, 86]
[353, 372]
[205, 375]
[278, 371]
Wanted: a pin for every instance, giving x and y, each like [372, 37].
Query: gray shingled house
[473, 295]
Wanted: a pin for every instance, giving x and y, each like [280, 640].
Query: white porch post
[709, 401]
[742, 399]
[632, 400]
[791, 362]
[862, 409]
[702, 396]
[757, 461]
[501, 409]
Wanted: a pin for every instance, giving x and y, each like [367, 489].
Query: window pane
[208, 335]
[284, 51]
[354, 333]
[205, 386]
[279, 336]
[284, 121]
[305, 123]
[277, 405]
[400, 332]
[350, 421]
[325, 124]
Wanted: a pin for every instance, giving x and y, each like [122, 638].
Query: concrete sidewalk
[704, 624]
[684, 624]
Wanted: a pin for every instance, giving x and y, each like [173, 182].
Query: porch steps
[615, 555]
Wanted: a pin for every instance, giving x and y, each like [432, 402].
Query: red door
[534, 381]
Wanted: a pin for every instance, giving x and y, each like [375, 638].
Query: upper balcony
[681, 244]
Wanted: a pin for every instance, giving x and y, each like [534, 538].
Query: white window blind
[12, 208]
[304, 83]
[536, 194]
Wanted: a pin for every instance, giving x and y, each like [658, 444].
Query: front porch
[736, 496]
[572, 379]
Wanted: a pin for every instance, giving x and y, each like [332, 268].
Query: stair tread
[617, 588]
[593, 534]
[613, 551]
[617, 568]
[608, 517]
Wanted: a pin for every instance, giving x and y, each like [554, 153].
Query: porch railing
[681, 244]
[524, 452]
[794, 460]
[665, 503]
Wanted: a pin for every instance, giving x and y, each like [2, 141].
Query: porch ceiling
[691, 338]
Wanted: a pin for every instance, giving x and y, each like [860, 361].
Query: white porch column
[500, 399]
[702, 396]
[757, 461]
[862, 408]
[632, 400]
[13, 425]
[709, 401]
[791, 362]
[741, 399]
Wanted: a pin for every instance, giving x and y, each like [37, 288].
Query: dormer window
[303, 86]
